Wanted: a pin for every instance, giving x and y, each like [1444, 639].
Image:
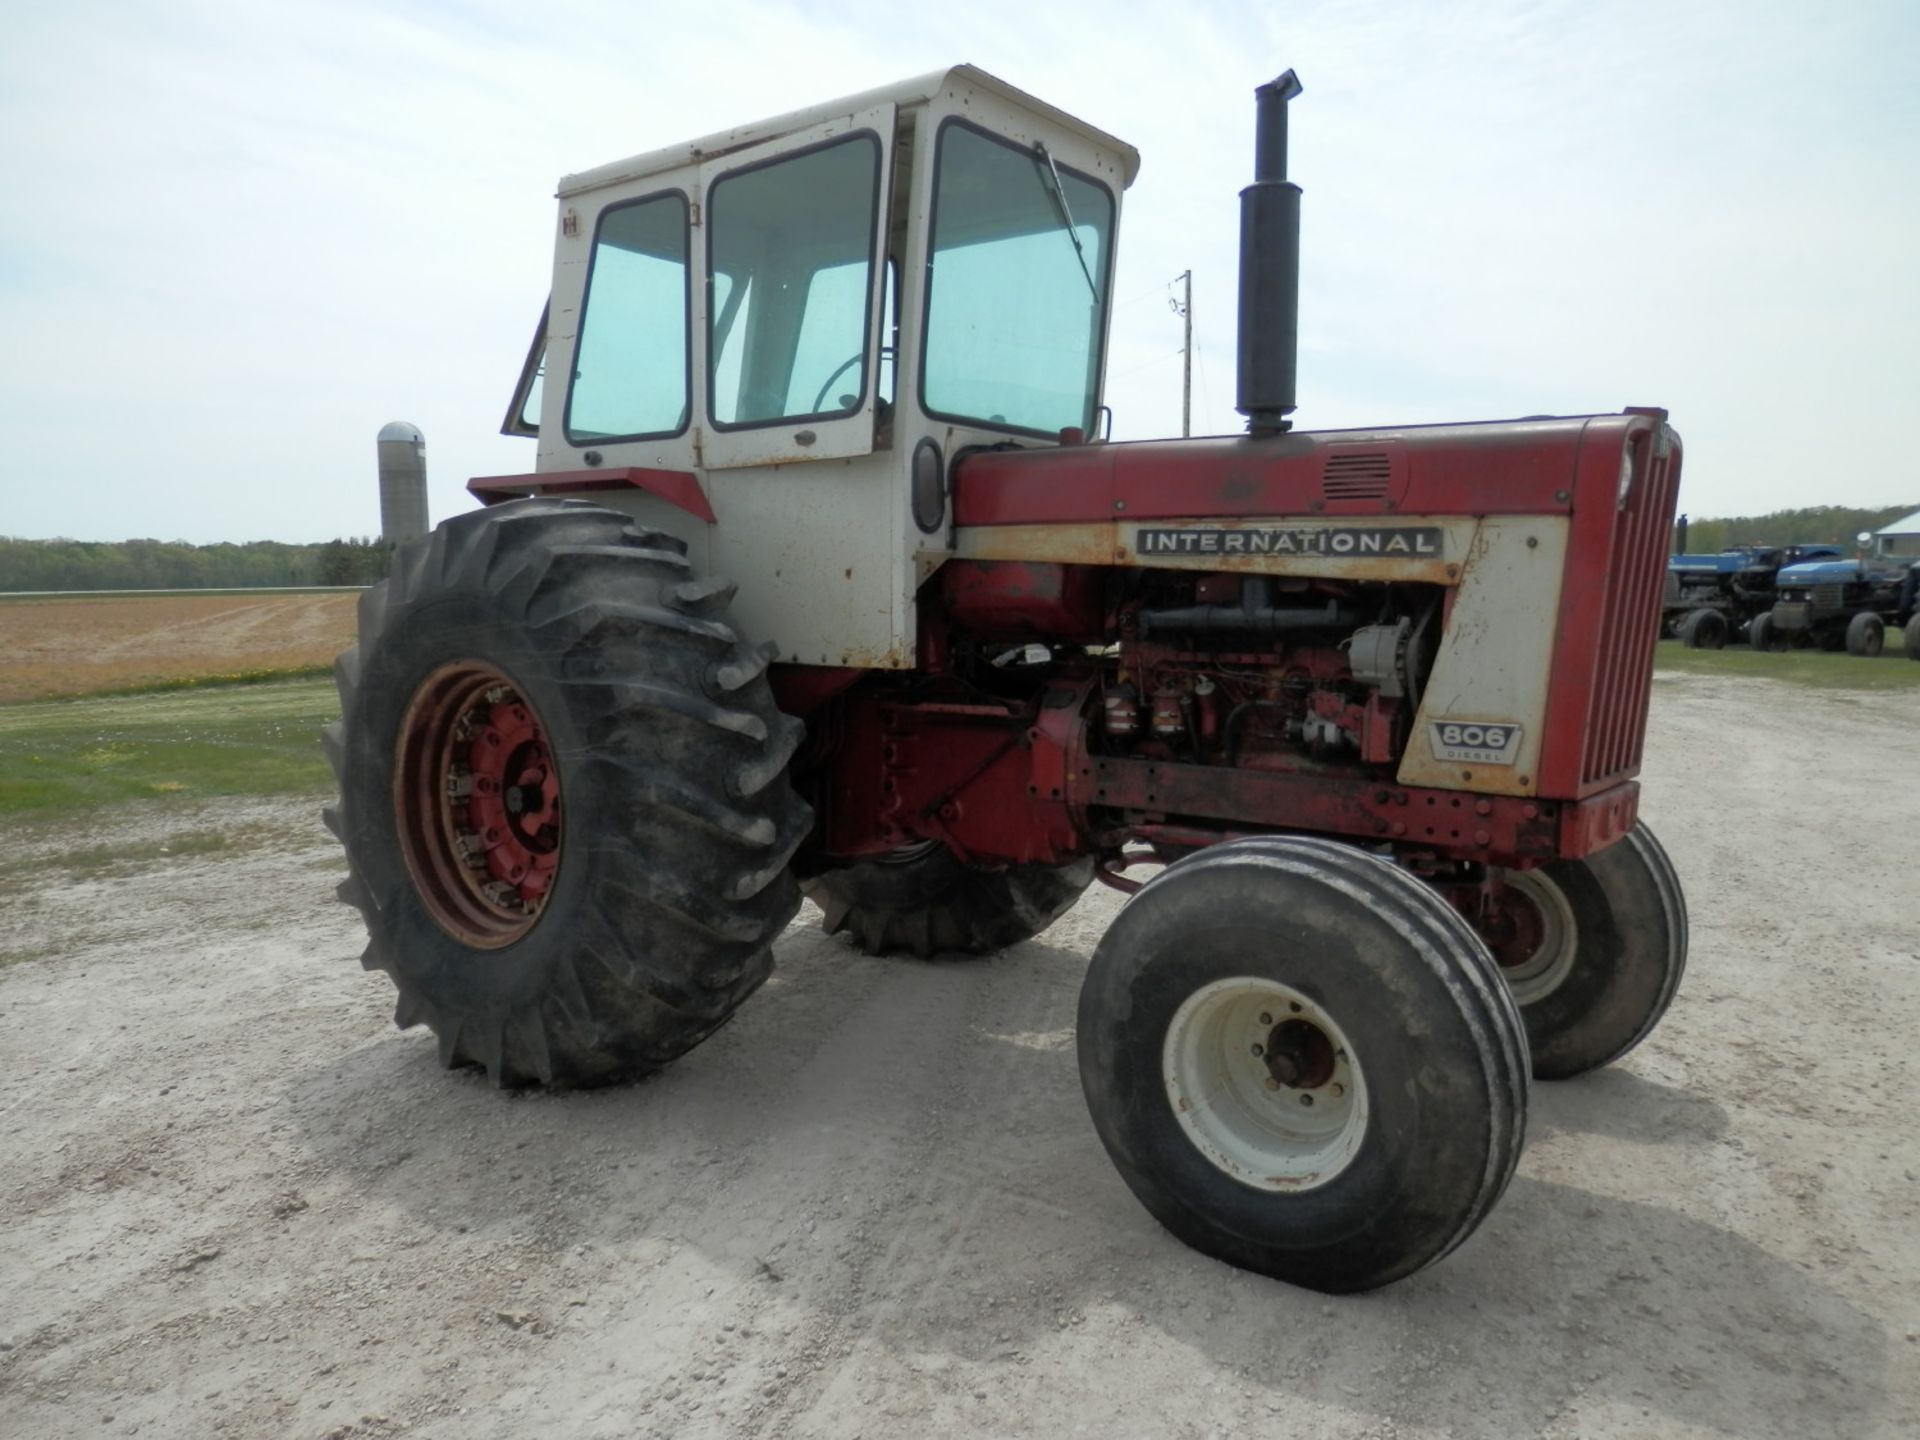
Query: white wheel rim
[1546, 970]
[1283, 1138]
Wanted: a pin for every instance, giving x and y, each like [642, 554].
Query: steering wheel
[886, 353]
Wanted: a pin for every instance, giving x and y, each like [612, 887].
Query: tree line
[1817, 524]
[176, 565]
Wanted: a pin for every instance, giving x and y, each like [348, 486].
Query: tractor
[1842, 602]
[1711, 599]
[825, 582]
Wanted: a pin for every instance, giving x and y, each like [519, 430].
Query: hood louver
[1356, 475]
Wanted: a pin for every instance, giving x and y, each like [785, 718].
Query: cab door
[794, 240]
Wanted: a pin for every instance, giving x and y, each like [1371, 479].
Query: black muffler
[1269, 269]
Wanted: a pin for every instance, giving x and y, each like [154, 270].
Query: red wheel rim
[1515, 930]
[477, 797]
[1533, 933]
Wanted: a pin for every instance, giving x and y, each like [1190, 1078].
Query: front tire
[1303, 1062]
[1594, 951]
[1704, 630]
[1866, 634]
[1913, 637]
[563, 795]
[1763, 634]
[927, 902]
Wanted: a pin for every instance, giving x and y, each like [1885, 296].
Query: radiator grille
[1617, 721]
[1828, 597]
[1356, 475]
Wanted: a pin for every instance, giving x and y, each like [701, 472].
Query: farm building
[1902, 537]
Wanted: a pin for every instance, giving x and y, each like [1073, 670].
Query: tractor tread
[934, 905]
[686, 825]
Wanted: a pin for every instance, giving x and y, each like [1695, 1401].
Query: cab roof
[903, 95]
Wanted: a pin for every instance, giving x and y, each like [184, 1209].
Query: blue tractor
[1842, 602]
[1714, 598]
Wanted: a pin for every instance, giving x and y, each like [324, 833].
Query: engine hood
[1819, 572]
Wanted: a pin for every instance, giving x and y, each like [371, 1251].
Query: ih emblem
[1489, 742]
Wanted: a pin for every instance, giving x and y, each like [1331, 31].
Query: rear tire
[1866, 634]
[1763, 634]
[1913, 637]
[927, 902]
[1384, 1111]
[588, 644]
[1704, 630]
[1612, 948]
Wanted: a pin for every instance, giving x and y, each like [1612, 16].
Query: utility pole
[1184, 308]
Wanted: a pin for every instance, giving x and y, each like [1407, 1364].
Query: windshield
[1015, 307]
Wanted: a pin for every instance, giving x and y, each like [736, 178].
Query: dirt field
[237, 1202]
[63, 647]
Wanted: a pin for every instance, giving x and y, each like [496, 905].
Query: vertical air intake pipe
[1269, 269]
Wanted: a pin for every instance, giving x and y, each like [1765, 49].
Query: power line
[1148, 366]
[1206, 390]
[1183, 307]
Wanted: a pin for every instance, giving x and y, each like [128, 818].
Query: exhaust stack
[1269, 270]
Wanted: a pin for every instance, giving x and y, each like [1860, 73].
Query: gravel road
[235, 1201]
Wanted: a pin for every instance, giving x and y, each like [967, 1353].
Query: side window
[1016, 290]
[530, 412]
[523, 412]
[791, 276]
[631, 368]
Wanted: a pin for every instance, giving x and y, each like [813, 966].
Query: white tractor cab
[810, 317]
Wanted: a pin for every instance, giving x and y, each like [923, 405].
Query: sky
[237, 238]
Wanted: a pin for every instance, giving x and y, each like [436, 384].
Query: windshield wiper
[1052, 172]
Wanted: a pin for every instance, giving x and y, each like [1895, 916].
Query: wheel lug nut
[1258, 1048]
[1265, 1019]
[1294, 1006]
[1338, 1089]
[1272, 1084]
[1306, 1100]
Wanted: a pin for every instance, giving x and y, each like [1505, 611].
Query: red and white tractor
[1375, 699]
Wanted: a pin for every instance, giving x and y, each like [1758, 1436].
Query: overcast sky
[236, 238]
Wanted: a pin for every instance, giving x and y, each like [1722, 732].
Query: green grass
[1816, 669]
[63, 756]
[266, 676]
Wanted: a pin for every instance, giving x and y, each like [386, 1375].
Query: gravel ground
[237, 1202]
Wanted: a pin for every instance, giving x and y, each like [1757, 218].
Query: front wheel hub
[1533, 935]
[1265, 1084]
[477, 804]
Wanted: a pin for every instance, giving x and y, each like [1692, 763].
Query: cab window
[528, 420]
[631, 367]
[790, 271]
[1016, 286]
